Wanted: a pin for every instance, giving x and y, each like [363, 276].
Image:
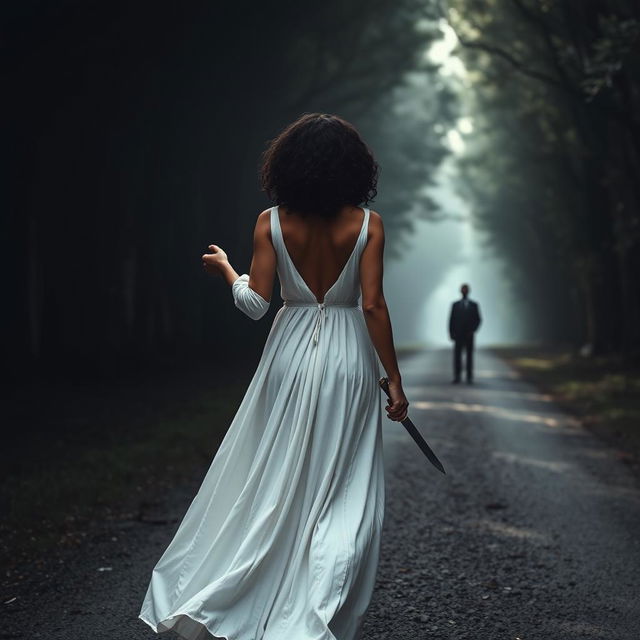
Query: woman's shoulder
[376, 224]
[263, 225]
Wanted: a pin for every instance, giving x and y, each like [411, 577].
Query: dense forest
[134, 132]
[134, 137]
[553, 162]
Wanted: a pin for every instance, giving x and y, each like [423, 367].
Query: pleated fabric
[282, 540]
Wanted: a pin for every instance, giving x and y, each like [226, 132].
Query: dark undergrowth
[77, 451]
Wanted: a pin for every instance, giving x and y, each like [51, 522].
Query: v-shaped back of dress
[293, 288]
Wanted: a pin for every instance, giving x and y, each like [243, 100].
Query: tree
[555, 86]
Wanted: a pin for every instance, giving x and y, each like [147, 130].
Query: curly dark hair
[318, 164]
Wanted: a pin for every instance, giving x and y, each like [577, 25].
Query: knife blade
[413, 432]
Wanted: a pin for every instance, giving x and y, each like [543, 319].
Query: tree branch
[508, 57]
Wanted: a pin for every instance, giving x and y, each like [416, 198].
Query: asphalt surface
[533, 533]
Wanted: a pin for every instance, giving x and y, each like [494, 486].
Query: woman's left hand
[214, 261]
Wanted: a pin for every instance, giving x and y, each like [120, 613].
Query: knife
[415, 434]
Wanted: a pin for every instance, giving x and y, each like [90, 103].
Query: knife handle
[384, 384]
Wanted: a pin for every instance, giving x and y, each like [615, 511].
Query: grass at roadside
[82, 452]
[604, 393]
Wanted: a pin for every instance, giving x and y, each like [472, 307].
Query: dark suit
[464, 321]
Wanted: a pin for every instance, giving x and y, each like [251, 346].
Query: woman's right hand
[214, 261]
[397, 403]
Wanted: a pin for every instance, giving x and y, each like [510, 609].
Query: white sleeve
[248, 300]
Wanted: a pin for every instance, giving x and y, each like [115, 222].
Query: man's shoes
[469, 380]
[455, 381]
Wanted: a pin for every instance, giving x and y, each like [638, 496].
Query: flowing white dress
[282, 540]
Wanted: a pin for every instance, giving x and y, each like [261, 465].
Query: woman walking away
[282, 540]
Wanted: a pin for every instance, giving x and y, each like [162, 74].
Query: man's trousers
[463, 343]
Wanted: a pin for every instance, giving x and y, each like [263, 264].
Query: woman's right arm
[377, 318]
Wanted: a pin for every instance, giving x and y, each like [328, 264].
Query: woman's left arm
[251, 293]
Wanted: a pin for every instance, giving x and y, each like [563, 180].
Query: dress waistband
[321, 307]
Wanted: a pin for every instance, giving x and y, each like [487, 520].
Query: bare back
[320, 248]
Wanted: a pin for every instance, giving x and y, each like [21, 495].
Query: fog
[440, 256]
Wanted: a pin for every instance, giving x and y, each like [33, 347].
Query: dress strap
[365, 225]
[276, 232]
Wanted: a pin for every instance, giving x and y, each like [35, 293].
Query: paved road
[532, 534]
